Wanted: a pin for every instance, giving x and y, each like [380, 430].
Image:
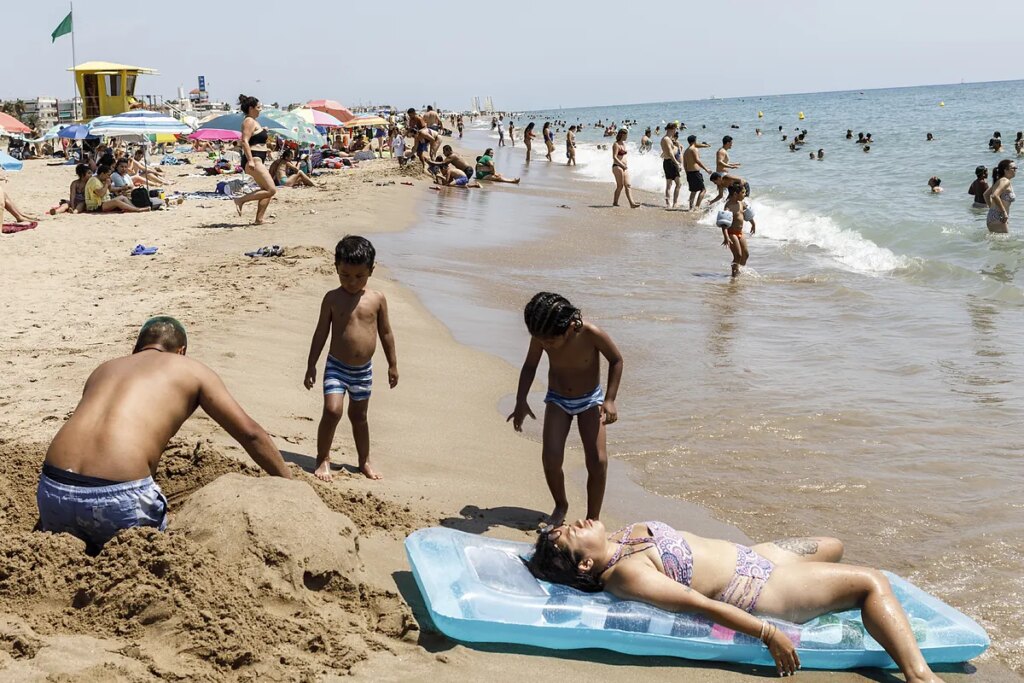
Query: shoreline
[252, 325]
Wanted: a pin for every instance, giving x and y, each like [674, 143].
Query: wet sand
[74, 297]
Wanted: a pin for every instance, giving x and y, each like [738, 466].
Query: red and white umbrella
[332, 107]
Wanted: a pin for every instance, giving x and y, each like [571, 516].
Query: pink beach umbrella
[317, 118]
[215, 134]
[332, 107]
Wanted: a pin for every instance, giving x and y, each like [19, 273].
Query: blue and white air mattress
[477, 589]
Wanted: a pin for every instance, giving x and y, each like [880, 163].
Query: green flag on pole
[63, 29]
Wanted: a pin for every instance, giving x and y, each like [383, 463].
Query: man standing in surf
[670, 164]
[693, 165]
[722, 163]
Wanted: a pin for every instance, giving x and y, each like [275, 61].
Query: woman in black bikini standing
[254, 158]
[619, 169]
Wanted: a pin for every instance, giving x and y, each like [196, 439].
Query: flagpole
[74, 62]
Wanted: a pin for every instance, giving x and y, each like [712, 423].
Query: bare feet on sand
[323, 470]
[238, 206]
[369, 472]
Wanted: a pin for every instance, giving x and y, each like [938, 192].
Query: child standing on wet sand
[353, 316]
[574, 348]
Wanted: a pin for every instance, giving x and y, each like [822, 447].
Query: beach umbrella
[76, 131]
[292, 127]
[215, 134]
[12, 125]
[366, 121]
[335, 109]
[9, 163]
[52, 132]
[233, 121]
[317, 118]
[139, 122]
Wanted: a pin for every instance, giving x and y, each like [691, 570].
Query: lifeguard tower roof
[101, 67]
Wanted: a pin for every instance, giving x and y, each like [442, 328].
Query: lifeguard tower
[107, 88]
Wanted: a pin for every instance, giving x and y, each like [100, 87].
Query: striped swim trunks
[339, 378]
[580, 404]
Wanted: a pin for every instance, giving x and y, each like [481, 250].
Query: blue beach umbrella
[77, 131]
[9, 163]
[234, 120]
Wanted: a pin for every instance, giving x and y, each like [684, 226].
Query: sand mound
[258, 578]
[277, 529]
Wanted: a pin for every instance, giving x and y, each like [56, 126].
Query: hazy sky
[526, 55]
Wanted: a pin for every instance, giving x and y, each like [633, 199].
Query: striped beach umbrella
[317, 117]
[139, 122]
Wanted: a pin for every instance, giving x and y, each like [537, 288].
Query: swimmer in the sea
[979, 187]
[935, 183]
[821, 154]
[1000, 196]
[722, 163]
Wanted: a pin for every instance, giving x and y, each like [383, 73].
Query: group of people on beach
[97, 476]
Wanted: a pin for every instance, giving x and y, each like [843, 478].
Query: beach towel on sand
[11, 228]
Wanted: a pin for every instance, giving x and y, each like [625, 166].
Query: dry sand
[261, 579]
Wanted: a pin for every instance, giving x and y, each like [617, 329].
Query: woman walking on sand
[528, 136]
[1000, 196]
[254, 158]
[549, 139]
[620, 170]
[511, 133]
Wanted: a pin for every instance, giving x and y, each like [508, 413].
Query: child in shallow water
[574, 348]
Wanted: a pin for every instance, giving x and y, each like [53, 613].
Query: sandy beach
[261, 579]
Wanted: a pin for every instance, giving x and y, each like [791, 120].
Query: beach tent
[9, 163]
[335, 109]
[12, 125]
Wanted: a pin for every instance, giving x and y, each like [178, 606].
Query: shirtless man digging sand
[97, 477]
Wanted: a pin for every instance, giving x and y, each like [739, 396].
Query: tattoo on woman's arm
[798, 546]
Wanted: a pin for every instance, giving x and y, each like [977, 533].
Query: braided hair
[550, 315]
[557, 565]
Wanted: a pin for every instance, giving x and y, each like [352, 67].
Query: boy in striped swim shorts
[574, 351]
[353, 317]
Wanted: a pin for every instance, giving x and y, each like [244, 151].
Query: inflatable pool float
[477, 589]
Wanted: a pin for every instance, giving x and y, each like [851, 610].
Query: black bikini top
[258, 138]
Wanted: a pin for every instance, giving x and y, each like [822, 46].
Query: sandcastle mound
[257, 578]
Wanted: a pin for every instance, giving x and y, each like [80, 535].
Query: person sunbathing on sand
[137, 165]
[97, 477]
[796, 579]
[9, 206]
[574, 351]
[353, 317]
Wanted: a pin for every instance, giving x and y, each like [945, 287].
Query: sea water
[863, 378]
